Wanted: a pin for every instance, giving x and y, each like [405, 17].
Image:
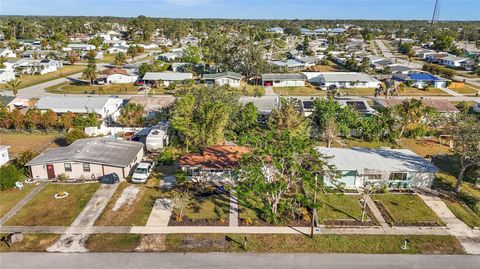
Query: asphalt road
[232, 261]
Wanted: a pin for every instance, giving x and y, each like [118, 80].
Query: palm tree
[14, 85]
[410, 111]
[133, 52]
[90, 73]
[131, 115]
[120, 59]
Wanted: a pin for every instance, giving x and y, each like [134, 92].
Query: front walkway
[376, 213]
[23, 202]
[453, 93]
[161, 213]
[74, 239]
[469, 239]
[233, 212]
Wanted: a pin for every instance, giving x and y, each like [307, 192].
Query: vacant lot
[20, 142]
[85, 88]
[9, 198]
[286, 243]
[405, 209]
[424, 147]
[45, 210]
[31, 243]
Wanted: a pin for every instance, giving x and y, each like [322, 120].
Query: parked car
[142, 172]
[109, 179]
[139, 83]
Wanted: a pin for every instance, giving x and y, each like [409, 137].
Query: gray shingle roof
[283, 77]
[221, 75]
[62, 104]
[118, 153]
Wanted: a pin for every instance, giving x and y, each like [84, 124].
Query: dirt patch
[128, 196]
[151, 242]
[194, 243]
[70, 243]
[196, 222]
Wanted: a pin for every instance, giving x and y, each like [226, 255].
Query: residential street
[232, 261]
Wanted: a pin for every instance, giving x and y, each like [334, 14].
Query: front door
[50, 171]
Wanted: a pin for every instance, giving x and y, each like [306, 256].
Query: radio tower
[436, 12]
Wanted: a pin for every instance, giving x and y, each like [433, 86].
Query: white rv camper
[157, 139]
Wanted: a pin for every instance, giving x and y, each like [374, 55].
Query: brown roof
[113, 71]
[215, 157]
[439, 105]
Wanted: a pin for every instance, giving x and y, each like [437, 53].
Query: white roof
[167, 76]
[62, 104]
[389, 160]
[346, 77]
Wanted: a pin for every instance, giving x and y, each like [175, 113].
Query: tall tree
[120, 59]
[90, 73]
[131, 115]
[14, 86]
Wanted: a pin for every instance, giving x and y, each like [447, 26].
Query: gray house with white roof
[395, 167]
[345, 80]
[283, 80]
[226, 78]
[88, 158]
[165, 78]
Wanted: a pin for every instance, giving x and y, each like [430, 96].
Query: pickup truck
[142, 172]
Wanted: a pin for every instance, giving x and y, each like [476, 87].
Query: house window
[68, 167]
[86, 167]
[374, 176]
[398, 176]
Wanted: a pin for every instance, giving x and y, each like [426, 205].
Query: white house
[115, 43]
[157, 138]
[166, 78]
[226, 78]
[7, 53]
[452, 61]
[347, 80]
[40, 67]
[80, 47]
[290, 64]
[283, 80]
[117, 49]
[88, 158]
[6, 76]
[116, 76]
[393, 167]
[275, 30]
[171, 55]
[107, 108]
[4, 158]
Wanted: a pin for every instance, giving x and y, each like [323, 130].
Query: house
[308, 61]
[152, 105]
[401, 69]
[264, 105]
[436, 57]
[275, 30]
[442, 106]
[117, 49]
[179, 67]
[80, 47]
[347, 80]
[226, 78]
[157, 138]
[213, 163]
[289, 65]
[283, 80]
[171, 55]
[423, 53]
[393, 167]
[166, 78]
[421, 80]
[4, 158]
[115, 43]
[7, 53]
[14, 102]
[116, 76]
[467, 64]
[359, 105]
[320, 31]
[452, 61]
[107, 108]
[381, 64]
[336, 31]
[88, 158]
[36, 54]
[6, 76]
[37, 67]
[306, 31]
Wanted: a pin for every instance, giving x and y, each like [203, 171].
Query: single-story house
[467, 64]
[381, 64]
[80, 47]
[171, 55]
[308, 61]
[283, 80]
[264, 105]
[36, 54]
[442, 106]
[117, 49]
[452, 61]
[4, 158]
[400, 69]
[421, 80]
[37, 67]
[290, 64]
[436, 57]
[393, 167]
[6, 76]
[116, 76]
[7, 53]
[14, 102]
[423, 53]
[214, 163]
[115, 43]
[226, 78]
[88, 158]
[165, 78]
[107, 108]
[275, 30]
[347, 80]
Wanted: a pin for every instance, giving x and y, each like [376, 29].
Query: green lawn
[357, 92]
[287, 243]
[406, 209]
[340, 207]
[299, 91]
[85, 88]
[411, 91]
[368, 144]
[211, 207]
[67, 70]
[45, 210]
[464, 213]
[423, 147]
[9, 198]
[37, 142]
[112, 242]
[31, 243]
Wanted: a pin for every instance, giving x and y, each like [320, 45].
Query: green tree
[288, 118]
[444, 42]
[133, 51]
[120, 59]
[182, 119]
[191, 54]
[23, 158]
[9, 175]
[80, 121]
[90, 73]
[131, 115]
[75, 134]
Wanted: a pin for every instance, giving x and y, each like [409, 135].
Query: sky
[249, 9]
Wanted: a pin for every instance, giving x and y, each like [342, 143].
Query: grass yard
[112, 242]
[340, 207]
[463, 213]
[29, 80]
[107, 58]
[45, 210]
[406, 209]
[357, 92]
[20, 142]
[137, 212]
[423, 147]
[288, 243]
[210, 207]
[368, 144]
[85, 88]
[299, 91]
[468, 195]
[465, 90]
[411, 91]
[31, 243]
[9, 198]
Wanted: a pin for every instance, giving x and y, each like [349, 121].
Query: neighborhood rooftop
[119, 153]
[224, 74]
[169, 76]
[283, 77]
[346, 77]
[63, 104]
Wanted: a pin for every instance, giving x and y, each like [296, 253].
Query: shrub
[62, 177]
[24, 157]
[9, 174]
[181, 177]
[167, 157]
[75, 134]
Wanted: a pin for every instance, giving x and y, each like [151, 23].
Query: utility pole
[435, 16]
[314, 210]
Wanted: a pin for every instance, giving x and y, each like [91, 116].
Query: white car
[142, 172]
